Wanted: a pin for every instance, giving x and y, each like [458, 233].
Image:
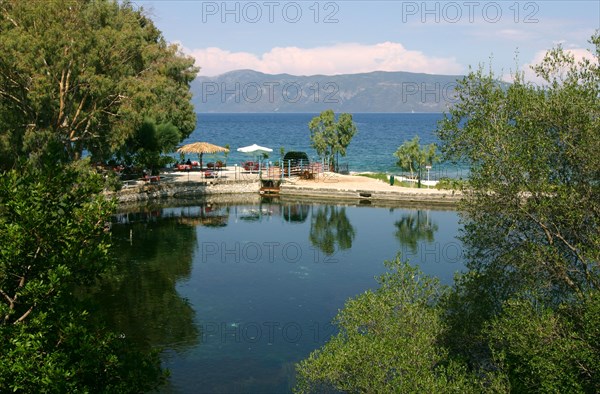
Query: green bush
[451, 184]
[54, 239]
[388, 342]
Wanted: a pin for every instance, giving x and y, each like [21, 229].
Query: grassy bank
[443, 183]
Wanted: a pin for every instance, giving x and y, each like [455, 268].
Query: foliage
[534, 174]
[546, 350]
[330, 138]
[294, 159]
[150, 141]
[531, 217]
[451, 184]
[226, 153]
[412, 157]
[53, 239]
[525, 315]
[388, 342]
[85, 74]
[380, 176]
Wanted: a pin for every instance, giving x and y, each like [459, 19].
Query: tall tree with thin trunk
[84, 75]
[330, 138]
[413, 157]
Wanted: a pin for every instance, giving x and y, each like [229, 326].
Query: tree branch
[61, 98]
[79, 108]
[24, 316]
[11, 301]
[7, 16]
[565, 276]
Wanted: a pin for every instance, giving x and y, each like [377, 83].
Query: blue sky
[336, 37]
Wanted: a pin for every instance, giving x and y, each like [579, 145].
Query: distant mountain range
[379, 91]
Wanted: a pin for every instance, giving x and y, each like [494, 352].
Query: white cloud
[530, 76]
[329, 60]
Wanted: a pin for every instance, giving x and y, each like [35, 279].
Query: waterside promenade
[323, 186]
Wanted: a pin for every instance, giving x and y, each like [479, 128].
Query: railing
[287, 169]
[290, 169]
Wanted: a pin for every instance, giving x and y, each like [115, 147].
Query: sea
[371, 150]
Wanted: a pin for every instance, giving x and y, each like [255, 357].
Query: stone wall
[400, 195]
[166, 190]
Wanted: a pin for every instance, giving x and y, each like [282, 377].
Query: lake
[371, 149]
[237, 293]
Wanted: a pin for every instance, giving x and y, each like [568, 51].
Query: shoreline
[327, 186]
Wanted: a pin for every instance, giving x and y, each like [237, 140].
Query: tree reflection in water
[330, 226]
[155, 252]
[413, 227]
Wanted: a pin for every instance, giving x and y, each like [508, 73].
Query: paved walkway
[360, 187]
[328, 185]
[229, 174]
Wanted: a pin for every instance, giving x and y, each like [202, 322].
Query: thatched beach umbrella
[201, 148]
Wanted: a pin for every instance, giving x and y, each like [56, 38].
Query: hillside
[251, 91]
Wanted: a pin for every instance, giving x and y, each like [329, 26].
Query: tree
[388, 342]
[53, 240]
[330, 138]
[281, 154]
[412, 157]
[85, 74]
[531, 219]
[150, 141]
[525, 315]
[226, 153]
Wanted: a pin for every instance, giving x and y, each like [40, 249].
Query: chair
[250, 166]
[151, 178]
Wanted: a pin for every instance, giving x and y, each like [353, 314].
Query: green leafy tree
[388, 342]
[147, 146]
[329, 137]
[53, 240]
[322, 134]
[413, 157]
[545, 350]
[85, 74]
[281, 154]
[226, 153]
[525, 315]
[345, 131]
[531, 222]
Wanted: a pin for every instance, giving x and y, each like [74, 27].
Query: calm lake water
[238, 293]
